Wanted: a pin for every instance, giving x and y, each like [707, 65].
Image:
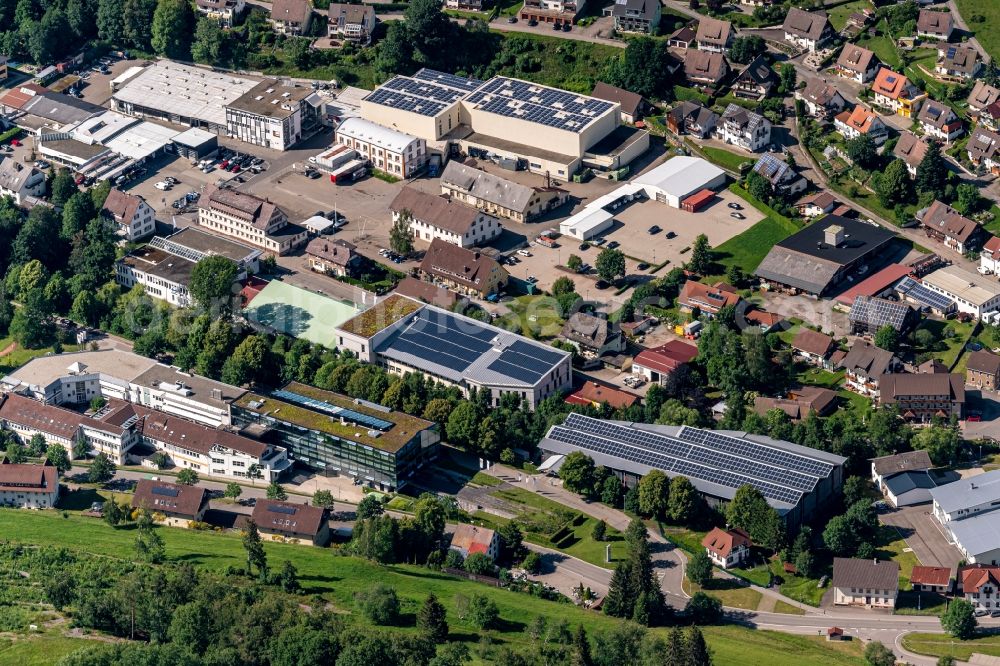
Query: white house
[394, 152]
[433, 216]
[470, 539]
[980, 585]
[28, 486]
[727, 548]
[868, 583]
[989, 258]
[746, 129]
[972, 293]
[132, 216]
[807, 30]
[19, 181]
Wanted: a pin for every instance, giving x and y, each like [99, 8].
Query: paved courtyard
[924, 535]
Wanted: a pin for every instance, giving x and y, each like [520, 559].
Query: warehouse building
[971, 292]
[403, 336]
[397, 153]
[274, 114]
[796, 480]
[967, 509]
[335, 435]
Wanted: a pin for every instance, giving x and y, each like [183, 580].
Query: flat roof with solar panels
[426, 93]
[915, 292]
[716, 462]
[551, 107]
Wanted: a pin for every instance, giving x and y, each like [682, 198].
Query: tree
[212, 281]
[759, 187]
[101, 470]
[463, 425]
[563, 285]
[254, 547]
[57, 455]
[171, 30]
[967, 199]
[788, 77]
[511, 541]
[683, 503]
[893, 185]
[610, 264]
[532, 562]
[600, 531]
[276, 492]
[31, 327]
[861, 150]
[959, 619]
[114, 514]
[160, 460]
[380, 605]
[85, 309]
[574, 262]
[483, 612]
[369, 507]
[233, 490]
[654, 493]
[37, 446]
[840, 537]
[703, 609]
[745, 49]
[479, 564]
[887, 338]
[148, 542]
[432, 619]
[697, 649]
[877, 654]
[248, 362]
[62, 187]
[208, 41]
[612, 491]
[643, 68]
[855, 490]
[400, 236]
[932, 172]
[16, 453]
[323, 498]
[805, 563]
[577, 473]
[81, 448]
[701, 256]
[699, 569]
[190, 626]
[187, 477]
[940, 442]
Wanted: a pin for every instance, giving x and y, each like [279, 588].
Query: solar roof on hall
[720, 460]
[428, 93]
[563, 110]
[450, 80]
[916, 291]
[454, 347]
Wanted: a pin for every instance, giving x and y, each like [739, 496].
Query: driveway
[924, 535]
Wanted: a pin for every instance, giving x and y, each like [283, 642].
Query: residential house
[355, 23]
[821, 99]
[983, 370]
[799, 403]
[28, 486]
[869, 314]
[944, 224]
[552, 11]
[705, 68]
[471, 539]
[171, 503]
[595, 395]
[397, 153]
[683, 38]
[714, 35]
[935, 24]
[464, 5]
[592, 334]
[707, 300]
[249, 218]
[226, 12]
[435, 217]
[924, 397]
[783, 177]
[807, 30]
[980, 585]
[931, 579]
[746, 129]
[960, 63]
[854, 123]
[989, 256]
[911, 149]
[333, 257]
[20, 181]
[692, 118]
[816, 204]
[989, 116]
[291, 17]
[756, 81]
[289, 522]
[468, 272]
[940, 121]
[658, 363]
[865, 366]
[814, 347]
[727, 548]
[635, 16]
[982, 149]
[132, 216]
[870, 583]
[895, 92]
[982, 95]
[633, 106]
[498, 196]
[858, 63]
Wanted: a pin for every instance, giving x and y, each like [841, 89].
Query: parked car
[15, 143]
[524, 253]
[171, 180]
[735, 206]
[163, 186]
[566, 27]
[556, 27]
[613, 244]
[532, 279]
[738, 216]
[981, 612]
[533, 22]
[512, 19]
[313, 175]
[643, 266]
[584, 247]
[974, 417]
[602, 284]
[653, 230]
[671, 234]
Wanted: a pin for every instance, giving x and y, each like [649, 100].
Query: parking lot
[924, 535]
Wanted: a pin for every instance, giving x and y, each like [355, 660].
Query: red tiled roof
[930, 576]
[876, 283]
[993, 244]
[975, 576]
[592, 393]
[20, 96]
[28, 478]
[668, 357]
[704, 297]
[724, 542]
[296, 519]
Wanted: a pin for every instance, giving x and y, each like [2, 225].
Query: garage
[680, 177]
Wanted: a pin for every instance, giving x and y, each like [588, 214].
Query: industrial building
[335, 435]
[274, 114]
[971, 292]
[394, 152]
[967, 509]
[797, 481]
[403, 336]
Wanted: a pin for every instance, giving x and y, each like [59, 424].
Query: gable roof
[14, 176]
[705, 65]
[122, 206]
[338, 251]
[759, 72]
[975, 576]
[472, 538]
[245, 207]
[949, 387]
[934, 22]
[435, 210]
[868, 359]
[698, 114]
[878, 312]
[291, 11]
[937, 115]
[487, 186]
[714, 31]
[922, 575]
[169, 498]
[346, 14]
[747, 120]
[805, 25]
[982, 95]
[857, 59]
[428, 292]
[712, 299]
[28, 478]
[799, 403]
[818, 91]
[892, 85]
[908, 461]
[946, 220]
[984, 361]
[594, 393]
[298, 519]
[667, 357]
[911, 149]
[983, 144]
[588, 330]
[724, 542]
[860, 119]
[873, 574]
[470, 268]
[960, 59]
[631, 103]
[812, 342]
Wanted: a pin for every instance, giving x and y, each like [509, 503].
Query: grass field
[539, 316]
[749, 248]
[339, 578]
[19, 356]
[729, 592]
[940, 645]
[787, 608]
[484, 479]
[725, 158]
[883, 48]
[988, 29]
[838, 15]
[819, 377]
[40, 649]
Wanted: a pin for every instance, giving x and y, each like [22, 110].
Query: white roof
[128, 74]
[194, 137]
[680, 175]
[588, 218]
[369, 132]
[977, 535]
[317, 223]
[142, 140]
[101, 128]
[963, 284]
[190, 92]
[970, 492]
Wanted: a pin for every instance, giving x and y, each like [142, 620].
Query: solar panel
[878, 312]
[756, 451]
[918, 291]
[536, 352]
[518, 372]
[166, 491]
[450, 80]
[333, 410]
[280, 508]
[546, 106]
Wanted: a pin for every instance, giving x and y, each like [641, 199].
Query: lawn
[339, 578]
[731, 593]
[987, 30]
[883, 48]
[579, 543]
[749, 248]
[19, 356]
[40, 649]
[484, 479]
[838, 15]
[892, 546]
[725, 158]
[786, 608]
[538, 316]
[950, 337]
[803, 590]
[940, 645]
[814, 376]
[684, 94]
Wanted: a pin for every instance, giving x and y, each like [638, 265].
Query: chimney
[833, 235]
[876, 561]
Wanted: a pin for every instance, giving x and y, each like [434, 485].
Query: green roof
[381, 315]
[404, 429]
[298, 312]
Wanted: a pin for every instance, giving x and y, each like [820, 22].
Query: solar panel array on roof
[465, 344]
[334, 410]
[280, 508]
[166, 491]
[878, 312]
[450, 80]
[916, 291]
[538, 104]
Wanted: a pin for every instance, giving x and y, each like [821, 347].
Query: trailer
[349, 172]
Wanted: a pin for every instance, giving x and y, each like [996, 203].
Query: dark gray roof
[488, 187]
[867, 574]
[907, 461]
[905, 482]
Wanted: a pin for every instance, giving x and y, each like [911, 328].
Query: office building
[274, 114]
[249, 219]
